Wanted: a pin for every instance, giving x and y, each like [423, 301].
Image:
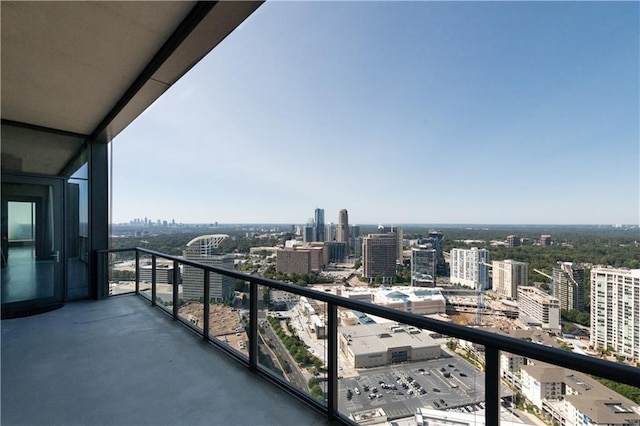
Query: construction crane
[546, 275]
[543, 274]
[481, 297]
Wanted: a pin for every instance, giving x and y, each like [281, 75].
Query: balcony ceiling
[91, 68]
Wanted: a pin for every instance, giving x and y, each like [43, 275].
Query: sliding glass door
[32, 244]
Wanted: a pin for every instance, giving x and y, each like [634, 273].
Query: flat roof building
[375, 345]
[410, 299]
[537, 305]
[302, 259]
[571, 398]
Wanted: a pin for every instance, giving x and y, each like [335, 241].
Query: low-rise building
[164, 274]
[375, 345]
[571, 398]
[420, 301]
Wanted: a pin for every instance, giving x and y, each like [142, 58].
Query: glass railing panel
[145, 275]
[164, 284]
[122, 272]
[228, 320]
[392, 371]
[292, 340]
[191, 296]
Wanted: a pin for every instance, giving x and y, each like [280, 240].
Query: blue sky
[400, 112]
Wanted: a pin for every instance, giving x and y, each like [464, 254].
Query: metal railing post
[154, 290]
[206, 306]
[137, 272]
[176, 287]
[253, 325]
[332, 360]
[103, 284]
[492, 385]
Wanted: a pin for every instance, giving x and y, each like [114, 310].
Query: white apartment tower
[508, 275]
[469, 267]
[615, 310]
[539, 307]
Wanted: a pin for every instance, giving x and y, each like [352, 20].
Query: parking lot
[446, 383]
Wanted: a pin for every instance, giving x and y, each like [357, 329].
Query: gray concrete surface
[122, 362]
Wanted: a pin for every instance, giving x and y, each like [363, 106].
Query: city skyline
[409, 112]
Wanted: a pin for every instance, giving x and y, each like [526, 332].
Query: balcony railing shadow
[323, 393]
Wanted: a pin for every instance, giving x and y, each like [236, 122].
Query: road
[296, 377]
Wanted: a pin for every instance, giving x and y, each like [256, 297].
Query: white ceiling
[66, 65]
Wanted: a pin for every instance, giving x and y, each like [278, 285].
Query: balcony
[124, 361]
[121, 362]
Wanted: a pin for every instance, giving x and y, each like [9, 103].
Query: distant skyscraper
[423, 266]
[204, 249]
[615, 310]
[319, 225]
[330, 231]
[308, 233]
[342, 231]
[379, 252]
[545, 240]
[436, 240]
[468, 267]
[508, 275]
[568, 285]
[355, 242]
[337, 252]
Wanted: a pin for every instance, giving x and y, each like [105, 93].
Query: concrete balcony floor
[121, 362]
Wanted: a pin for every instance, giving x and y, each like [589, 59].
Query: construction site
[226, 323]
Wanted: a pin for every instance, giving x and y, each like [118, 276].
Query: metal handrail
[492, 342]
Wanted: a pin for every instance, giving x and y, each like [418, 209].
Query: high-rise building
[423, 266]
[539, 308]
[319, 230]
[508, 275]
[436, 238]
[342, 231]
[337, 251]
[380, 252]
[355, 242]
[302, 259]
[615, 310]
[513, 241]
[469, 267]
[568, 285]
[545, 240]
[308, 233]
[204, 249]
[330, 231]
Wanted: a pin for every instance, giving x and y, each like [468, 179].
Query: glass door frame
[29, 306]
